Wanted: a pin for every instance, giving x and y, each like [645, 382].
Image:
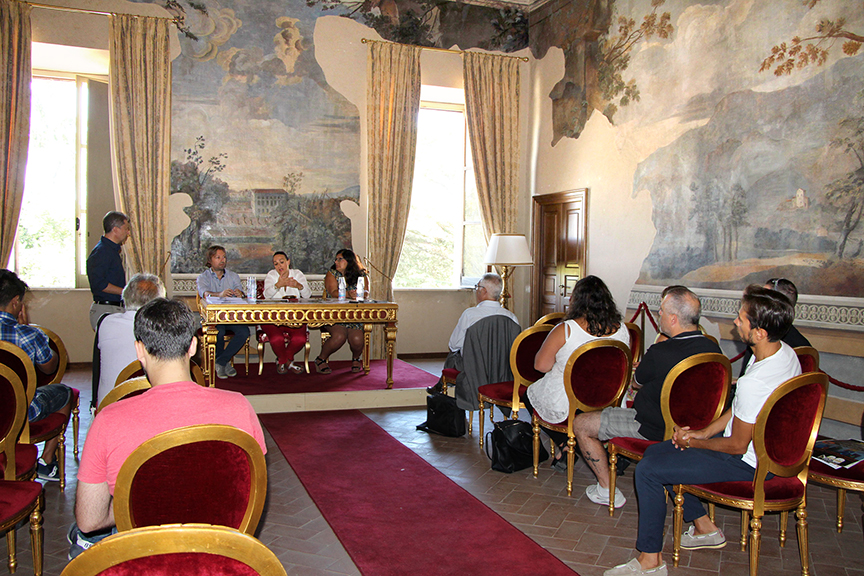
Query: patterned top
[33, 341]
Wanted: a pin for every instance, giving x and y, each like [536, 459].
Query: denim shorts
[47, 400]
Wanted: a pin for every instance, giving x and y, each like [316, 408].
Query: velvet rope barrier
[643, 307]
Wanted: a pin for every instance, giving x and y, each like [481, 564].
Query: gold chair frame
[190, 435]
[552, 319]
[665, 393]
[7, 446]
[576, 404]
[135, 366]
[515, 403]
[123, 390]
[842, 486]
[307, 348]
[640, 350]
[26, 437]
[757, 506]
[62, 364]
[174, 539]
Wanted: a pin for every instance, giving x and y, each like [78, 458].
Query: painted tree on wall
[847, 193]
[801, 52]
[196, 178]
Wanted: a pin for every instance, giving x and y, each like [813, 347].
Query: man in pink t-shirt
[164, 343]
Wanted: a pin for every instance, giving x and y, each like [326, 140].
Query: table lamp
[507, 251]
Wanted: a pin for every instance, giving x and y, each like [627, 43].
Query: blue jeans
[665, 465]
[47, 400]
[224, 354]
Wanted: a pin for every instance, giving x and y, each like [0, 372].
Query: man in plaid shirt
[47, 399]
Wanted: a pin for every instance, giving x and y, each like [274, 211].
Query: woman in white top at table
[592, 314]
[283, 282]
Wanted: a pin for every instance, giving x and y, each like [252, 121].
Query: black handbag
[510, 446]
[443, 416]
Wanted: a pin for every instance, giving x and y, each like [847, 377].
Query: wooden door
[560, 238]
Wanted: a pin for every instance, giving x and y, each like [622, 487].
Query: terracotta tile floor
[578, 532]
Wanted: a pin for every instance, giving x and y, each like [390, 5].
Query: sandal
[356, 365]
[322, 367]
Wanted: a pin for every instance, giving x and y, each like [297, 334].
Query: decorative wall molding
[816, 311]
[184, 284]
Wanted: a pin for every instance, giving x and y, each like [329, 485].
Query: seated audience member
[793, 337]
[486, 292]
[679, 320]
[47, 399]
[164, 343]
[722, 451]
[285, 282]
[116, 335]
[217, 280]
[346, 265]
[592, 314]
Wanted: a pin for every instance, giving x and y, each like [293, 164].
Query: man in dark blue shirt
[105, 267]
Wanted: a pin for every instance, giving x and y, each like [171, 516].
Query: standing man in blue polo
[217, 280]
[105, 268]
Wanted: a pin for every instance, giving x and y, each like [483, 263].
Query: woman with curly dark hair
[592, 315]
[346, 265]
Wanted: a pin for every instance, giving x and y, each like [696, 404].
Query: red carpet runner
[394, 513]
[342, 379]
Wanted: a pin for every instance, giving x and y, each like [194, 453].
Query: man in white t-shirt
[116, 335]
[487, 293]
[722, 451]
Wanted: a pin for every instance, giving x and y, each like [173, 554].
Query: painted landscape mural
[267, 151]
[748, 119]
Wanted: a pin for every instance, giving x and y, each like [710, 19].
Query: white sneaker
[596, 494]
[633, 568]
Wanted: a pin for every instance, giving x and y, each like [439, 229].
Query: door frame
[562, 197]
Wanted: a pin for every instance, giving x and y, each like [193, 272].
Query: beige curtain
[14, 116]
[141, 134]
[492, 108]
[393, 96]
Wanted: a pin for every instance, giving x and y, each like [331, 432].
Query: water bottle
[361, 285]
[251, 288]
[342, 289]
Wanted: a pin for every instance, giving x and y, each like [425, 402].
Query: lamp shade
[508, 250]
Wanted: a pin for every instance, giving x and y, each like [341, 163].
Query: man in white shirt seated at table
[487, 293]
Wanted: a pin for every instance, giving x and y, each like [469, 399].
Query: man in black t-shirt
[679, 321]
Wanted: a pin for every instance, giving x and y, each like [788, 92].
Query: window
[51, 245]
[444, 243]
[45, 248]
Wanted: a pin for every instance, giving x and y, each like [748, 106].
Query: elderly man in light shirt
[487, 292]
[116, 339]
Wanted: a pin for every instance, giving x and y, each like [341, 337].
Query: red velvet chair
[808, 357]
[53, 425]
[637, 342]
[227, 488]
[21, 457]
[507, 394]
[783, 438]
[263, 339]
[841, 478]
[42, 379]
[189, 549]
[596, 376]
[693, 394]
[18, 499]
